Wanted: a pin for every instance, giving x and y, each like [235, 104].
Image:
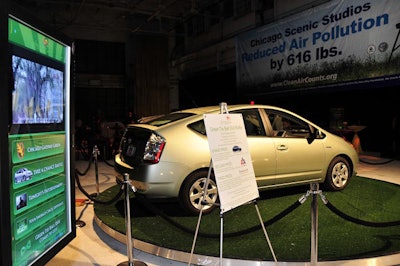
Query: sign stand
[232, 201]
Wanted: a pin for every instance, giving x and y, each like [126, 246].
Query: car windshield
[166, 119]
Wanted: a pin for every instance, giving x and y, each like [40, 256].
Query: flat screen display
[38, 80]
[37, 96]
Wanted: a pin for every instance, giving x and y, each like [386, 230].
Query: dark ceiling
[144, 16]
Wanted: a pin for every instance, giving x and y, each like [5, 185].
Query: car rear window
[199, 127]
[166, 119]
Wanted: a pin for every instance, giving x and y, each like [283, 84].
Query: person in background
[286, 124]
[131, 118]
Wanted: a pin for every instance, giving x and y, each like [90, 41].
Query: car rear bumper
[161, 180]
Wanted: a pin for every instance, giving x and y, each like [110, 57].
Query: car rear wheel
[338, 174]
[193, 190]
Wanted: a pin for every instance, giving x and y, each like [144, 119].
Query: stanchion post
[129, 246]
[96, 168]
[314, 187]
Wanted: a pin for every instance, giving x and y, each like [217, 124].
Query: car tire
[338, 174]
[192, 191]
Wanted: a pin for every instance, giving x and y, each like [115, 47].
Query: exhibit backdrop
[340, 43]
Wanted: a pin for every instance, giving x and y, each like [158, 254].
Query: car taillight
[154, 148]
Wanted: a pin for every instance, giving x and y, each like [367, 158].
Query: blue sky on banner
[338, 42]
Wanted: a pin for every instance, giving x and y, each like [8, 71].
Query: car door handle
[282, 148]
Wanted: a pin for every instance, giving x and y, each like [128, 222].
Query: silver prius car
[169, 157]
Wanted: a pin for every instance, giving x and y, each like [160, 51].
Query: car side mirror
[311, 137]
[314, 134]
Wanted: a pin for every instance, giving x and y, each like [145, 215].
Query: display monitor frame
[5, 246]
[35, 140]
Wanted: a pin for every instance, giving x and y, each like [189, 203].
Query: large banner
[342, 42]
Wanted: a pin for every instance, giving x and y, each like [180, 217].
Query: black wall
[375, 108]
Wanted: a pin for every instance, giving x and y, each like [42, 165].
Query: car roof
[198, 111]
[208, 109]
[233, 107]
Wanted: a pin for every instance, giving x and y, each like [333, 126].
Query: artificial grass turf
[364, 199]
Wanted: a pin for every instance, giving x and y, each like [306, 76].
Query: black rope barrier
[376, 163]
[81, 214]
[78, 173]
[103, 156]
[91, 197]
[115, 198]
[146, 203]
[86, 170]
[356, 220]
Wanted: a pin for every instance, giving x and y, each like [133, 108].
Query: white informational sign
[339, 42]
[231, 160]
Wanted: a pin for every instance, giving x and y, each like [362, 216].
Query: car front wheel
[193, 195]
[338, 174]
